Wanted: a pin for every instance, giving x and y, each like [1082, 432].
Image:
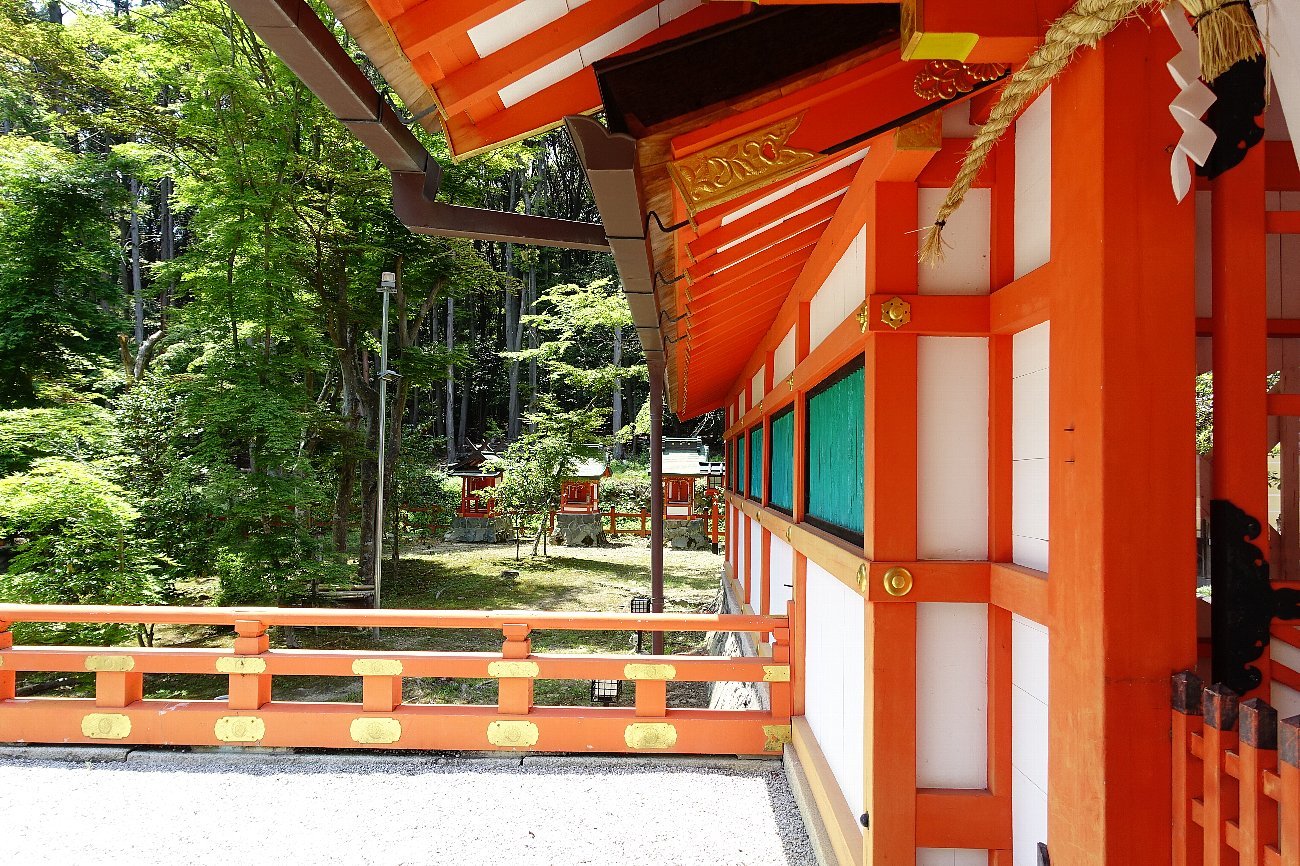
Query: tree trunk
[451, 381]
[616, 418]
[137, 286]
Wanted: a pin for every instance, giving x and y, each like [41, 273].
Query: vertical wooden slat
[1289, 807]
[1188, 781]
[651, 697]
[781, 692]
[250, 691]
[515, 694]
[8, 680]
[1219, 793]
[798, 613]
[1257, 755]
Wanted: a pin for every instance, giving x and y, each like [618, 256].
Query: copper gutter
[293, 31]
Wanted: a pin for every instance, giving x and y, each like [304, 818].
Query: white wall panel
[833, 691]
[741, 546]
[951, 695]
[1033, 212]
[843, 293]
[952, 418]
[1029, 738]
[1029, 446]
[755, 565]
[756, 386]
[951, 857]
[782, 567]
[965, 266]
[783, 358]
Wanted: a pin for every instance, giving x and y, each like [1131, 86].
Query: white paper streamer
[1279, 24]
[1189, 105]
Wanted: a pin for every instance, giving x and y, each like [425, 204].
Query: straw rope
[1085, 24]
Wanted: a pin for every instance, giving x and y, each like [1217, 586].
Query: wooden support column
[8, 679]
[1257, 755]
[657, 499]
[1121, 592]
[1289, 812]
[515, 693]
[250, 685]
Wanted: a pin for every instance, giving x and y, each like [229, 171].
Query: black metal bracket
[1243, 602]
[663, 228]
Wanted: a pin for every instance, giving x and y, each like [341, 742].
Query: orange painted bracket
[1285, 405]
[962, 819]
[934, 315]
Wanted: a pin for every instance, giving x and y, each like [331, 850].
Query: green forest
[190, 255]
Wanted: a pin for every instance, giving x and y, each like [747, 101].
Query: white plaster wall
[756, 565]
[951, 857]
[965, 266]
[956, 121]
[783, 358]
[1033, 212]
[1029, 446]
[1029, 739]
[782, 568]
[756, 385]
[952, 421]
[833, 691]
[742, 548]
[844, 291]
[952, 695]
[1284, 699]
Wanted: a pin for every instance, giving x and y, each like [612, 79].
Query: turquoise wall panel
[836, 428]
[781, 476]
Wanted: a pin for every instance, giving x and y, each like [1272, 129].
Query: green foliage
[84, 432]
[626, 493]
[74, 539]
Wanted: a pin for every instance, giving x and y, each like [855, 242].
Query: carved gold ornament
[948, 79]
[790, 381]
[864, 317]
[513, 735]
[120, 664]
[649, 672]
[776, 673]
[650, 735]
[775, 736]
[862, 578]
[898, 581]
[239, 729]
[106, 726]
[739, 165]
[375, 731]
[239, 665]
[377, 668]
[522, 670]
[895, 313]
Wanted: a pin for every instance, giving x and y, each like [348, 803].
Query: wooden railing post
[381, 684]
[1257, 755]
[515, 692]
[8, 679]
[1289, 804]
[779, 680]
[250, 685]
[652, 691]
[1188, 780]
[1220, 793]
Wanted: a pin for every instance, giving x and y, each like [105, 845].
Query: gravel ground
[214, 808]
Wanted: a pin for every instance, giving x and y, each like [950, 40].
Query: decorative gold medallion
[898, 581]
[864, 317]
[649, 672]
[239, 729]
[375, 731]
[862, 578]
[739, 165]
[512, 735]
[240, 665]
[120, 664]
[895, 313]
[775, 736]
[948, 79]
[377, 668]
[776, 673]
[106, 726]
[650, 735]
[524, 670]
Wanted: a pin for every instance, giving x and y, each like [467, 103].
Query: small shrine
[686, 461]
[578, 520]
[476, 520]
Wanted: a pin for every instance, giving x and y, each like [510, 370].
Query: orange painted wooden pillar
[8, 679]
[1187, 775]
[1257, 754]
[1219, 792]
[889, 533]
[515, 694]
[250, 686]
[1289, 810]
[1121, 423]
[1239, 348]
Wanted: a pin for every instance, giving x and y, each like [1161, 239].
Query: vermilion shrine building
[971, 487]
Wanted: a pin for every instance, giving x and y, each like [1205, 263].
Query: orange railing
[120, 713]
[1236, 793]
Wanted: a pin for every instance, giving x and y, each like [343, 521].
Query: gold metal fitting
[895, 313]
[862, 578]
[898, 581]
[512, 735]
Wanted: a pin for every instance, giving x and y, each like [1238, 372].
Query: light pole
[387, 287]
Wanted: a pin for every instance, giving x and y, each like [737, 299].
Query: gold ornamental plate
[239, 729]
[375, 731]
[512, 735]
[650, 735]
[106, 726]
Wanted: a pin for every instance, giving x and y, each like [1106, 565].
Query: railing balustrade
[120, 713]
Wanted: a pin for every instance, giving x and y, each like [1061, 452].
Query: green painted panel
[756, 463]
[781, 477]
[740, 464]
[835, 453]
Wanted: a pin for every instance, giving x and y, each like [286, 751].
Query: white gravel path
[305, 810]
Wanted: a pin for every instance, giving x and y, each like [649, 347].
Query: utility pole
[387, 287]
[657, 499]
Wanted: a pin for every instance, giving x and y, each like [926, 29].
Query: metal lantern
[605, 691]
[640, 604]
